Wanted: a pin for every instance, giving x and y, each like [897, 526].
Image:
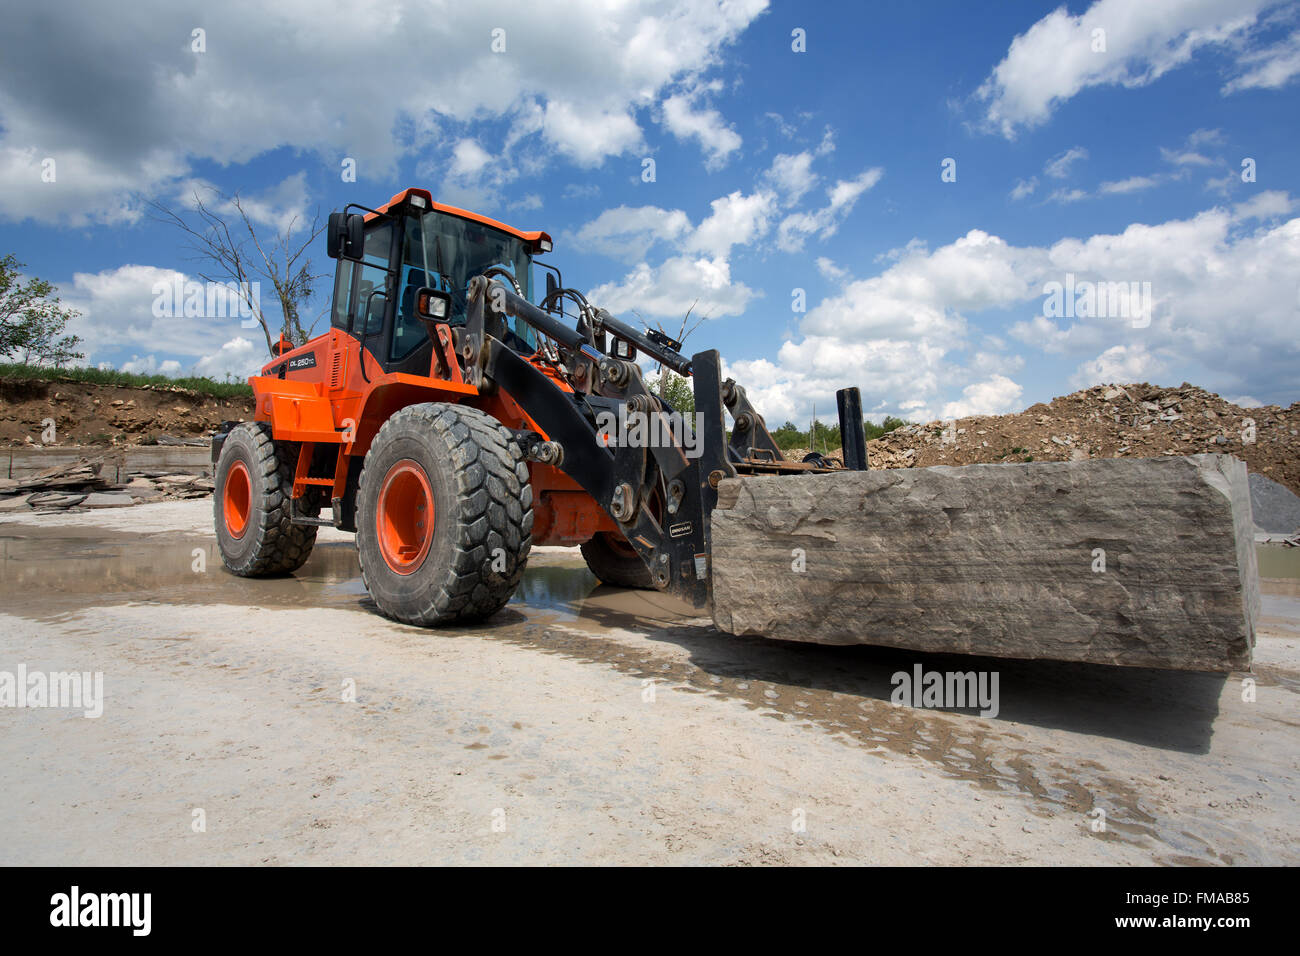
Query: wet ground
[636, 728]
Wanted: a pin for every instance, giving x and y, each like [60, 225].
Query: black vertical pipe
[853, 436]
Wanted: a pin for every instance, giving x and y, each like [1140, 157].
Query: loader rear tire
[615, 563]
[444, 515]
[250, 504]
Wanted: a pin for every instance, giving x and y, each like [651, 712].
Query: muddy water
[50, 573]
[1278, 562]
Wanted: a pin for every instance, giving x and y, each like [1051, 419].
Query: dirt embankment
[1108, 421]
[86, 414]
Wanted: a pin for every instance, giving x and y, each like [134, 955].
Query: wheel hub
[404, 517]
[237, 499]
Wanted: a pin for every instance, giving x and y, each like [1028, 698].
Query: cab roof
[402, 198]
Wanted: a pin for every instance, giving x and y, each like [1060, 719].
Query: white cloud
[1024, 187]
[1223, 293]
[796, 228]
[1130, 185]
[474, 179]
[830, 270]
[1184, 157]
[716, 138]
[587, 138]
[1270, 68]
[468, 159]
[995, 396]
[792, 175]
[409, 76]
[1266, 205]
[699, 266]
[1057, 57]
[1059, 166]
[236, 360]
[699, 271]
[625, 232]
[580, 191]
[668, 290]
[117, 325]
[736, 219]
[280, 207]
[1119, 363]
[1067, 196]
[149, 365]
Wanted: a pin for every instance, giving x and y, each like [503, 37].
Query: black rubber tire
[614, 567]
[270, 544]
[482, 501]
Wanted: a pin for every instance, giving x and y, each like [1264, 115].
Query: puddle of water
[1278, 562]
[54, 571]
[48, 573]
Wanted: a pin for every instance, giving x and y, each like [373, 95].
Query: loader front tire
[444, 515]
[613, 560]
[250, 504]
[615, 563]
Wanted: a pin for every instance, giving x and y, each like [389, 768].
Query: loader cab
[413, 243]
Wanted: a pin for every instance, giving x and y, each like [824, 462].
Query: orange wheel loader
[451, 418]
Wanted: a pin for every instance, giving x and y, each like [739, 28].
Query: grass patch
[1015, 452]
[94, 376]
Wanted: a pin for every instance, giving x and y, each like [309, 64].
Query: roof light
[543, 245]
[417, 202]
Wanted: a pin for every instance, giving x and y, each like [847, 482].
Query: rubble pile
[96, 483]
[1107, 421]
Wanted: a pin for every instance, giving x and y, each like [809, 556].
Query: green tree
[32, 321]
[674, 389]
[884, 428]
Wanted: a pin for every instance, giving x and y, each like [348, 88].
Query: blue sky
[1107, 157]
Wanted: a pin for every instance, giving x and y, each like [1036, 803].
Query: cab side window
[342, 293]
[372, 301]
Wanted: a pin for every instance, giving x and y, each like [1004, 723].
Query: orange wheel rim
[404, 517]
[237, 499]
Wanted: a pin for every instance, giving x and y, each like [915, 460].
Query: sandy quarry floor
[536, 740]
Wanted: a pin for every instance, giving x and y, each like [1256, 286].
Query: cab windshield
[445, 252]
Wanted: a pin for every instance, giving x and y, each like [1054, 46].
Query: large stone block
[1143, 562]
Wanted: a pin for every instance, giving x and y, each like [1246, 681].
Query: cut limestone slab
[1143, 562]
[107, 500]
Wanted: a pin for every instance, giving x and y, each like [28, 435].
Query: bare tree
[682, 334]
[282, 261]
[667, 384]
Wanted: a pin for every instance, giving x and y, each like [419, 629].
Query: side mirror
[433, 305]
[346, 236]
[551, 286]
